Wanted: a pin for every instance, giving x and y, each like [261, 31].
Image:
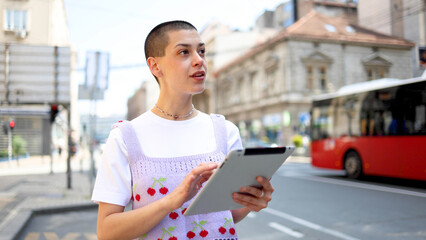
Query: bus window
[322, 120]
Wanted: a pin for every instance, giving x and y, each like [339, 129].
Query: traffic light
[11, 124]
[53, 112]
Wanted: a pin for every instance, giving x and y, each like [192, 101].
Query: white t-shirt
[158, 137]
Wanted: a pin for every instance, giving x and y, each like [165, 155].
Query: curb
[17, 220]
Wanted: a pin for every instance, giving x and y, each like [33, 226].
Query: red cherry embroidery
[204, 233]
[164, 190]
[190, 234]
[168, 232]
[173, 215]
[183, 211]
[151, 191]
[222, 229]
[135, 195]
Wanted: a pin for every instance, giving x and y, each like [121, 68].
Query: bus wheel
[353, 165]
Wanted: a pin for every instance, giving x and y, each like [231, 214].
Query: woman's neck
[177, 109]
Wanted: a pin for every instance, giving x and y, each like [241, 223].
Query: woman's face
[183, 68]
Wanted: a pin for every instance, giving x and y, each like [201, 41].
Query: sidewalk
[30, 188]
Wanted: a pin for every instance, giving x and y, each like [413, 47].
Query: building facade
[24, 26]
[405, 19]
[267, 92]
[35, 22]
[222, 46]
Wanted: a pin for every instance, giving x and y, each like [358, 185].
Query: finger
[256, 192]
[200, 174]
[266, 185]
[249, 199]
[254, 204]
[203, 167]
[205, 177]
[250, 206]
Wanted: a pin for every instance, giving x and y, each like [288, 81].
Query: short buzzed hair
[157, 40]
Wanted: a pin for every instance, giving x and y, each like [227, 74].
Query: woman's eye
[202, 51]
[183, 52]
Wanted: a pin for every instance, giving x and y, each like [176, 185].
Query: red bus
[372, 128]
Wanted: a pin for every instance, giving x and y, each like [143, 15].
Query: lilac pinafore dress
[153, 178]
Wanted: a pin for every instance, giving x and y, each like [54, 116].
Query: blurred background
[316, 74]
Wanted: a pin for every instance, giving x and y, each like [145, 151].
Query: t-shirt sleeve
[234, 138]
[113, 180]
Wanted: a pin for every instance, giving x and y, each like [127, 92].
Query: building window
[376, 73]
[15, 20]
[256, 86]
[376, 66]
[309, 78]
[323, 78]
[317, 65]
[316, 77]
[271, 86]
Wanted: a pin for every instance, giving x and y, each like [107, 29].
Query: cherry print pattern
[135, 195]
[168, 231]
[163, 190]
[151, 191]
[173, 215]
[203, 233]
[222, 229]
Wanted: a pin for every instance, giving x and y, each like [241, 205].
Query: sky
[120, 27]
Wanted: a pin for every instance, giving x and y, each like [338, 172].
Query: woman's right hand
[190, 184]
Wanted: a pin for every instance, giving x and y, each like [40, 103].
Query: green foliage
[19, 145]
[297, 141]
[3, 153]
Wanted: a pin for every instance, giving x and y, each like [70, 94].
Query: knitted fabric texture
[154, 178]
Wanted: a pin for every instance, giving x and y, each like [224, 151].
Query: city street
[308, 203]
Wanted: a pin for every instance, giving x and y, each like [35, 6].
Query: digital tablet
[239, 168]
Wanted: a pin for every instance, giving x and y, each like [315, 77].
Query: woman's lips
[199, 76]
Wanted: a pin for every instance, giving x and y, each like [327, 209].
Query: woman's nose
[198, 59]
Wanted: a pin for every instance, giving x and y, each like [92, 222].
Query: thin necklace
[175, 117]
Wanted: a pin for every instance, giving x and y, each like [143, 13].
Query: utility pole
[69, 147]
[93, 97]
[97, 71]
[9, 137]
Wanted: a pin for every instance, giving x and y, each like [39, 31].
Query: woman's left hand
[254, 198]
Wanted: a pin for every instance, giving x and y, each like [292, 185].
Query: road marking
[90, 236]
[286, 230]
[364, 186]
[308, 224]
[32, 236]
[53, 236]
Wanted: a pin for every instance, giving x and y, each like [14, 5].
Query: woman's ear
[154, 67]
